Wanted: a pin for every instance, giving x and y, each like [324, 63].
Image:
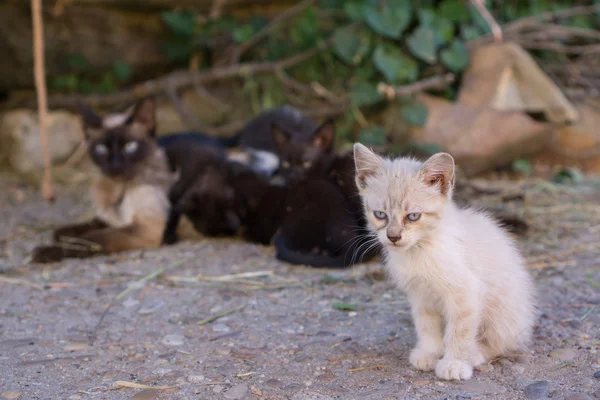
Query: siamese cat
[470, 292]
[129, 192]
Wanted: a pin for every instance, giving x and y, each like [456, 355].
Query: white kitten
[470, 293]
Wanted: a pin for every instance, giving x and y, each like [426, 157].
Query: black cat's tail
[284, 253]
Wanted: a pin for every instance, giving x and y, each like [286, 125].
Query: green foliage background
[392, 41]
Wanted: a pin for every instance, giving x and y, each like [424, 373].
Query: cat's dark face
[298, 156]
[118, 144]
[210, 204]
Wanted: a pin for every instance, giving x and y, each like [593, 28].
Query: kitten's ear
[324, 135]
[366, 162]
[280, 136]
[438, 171]
[90, 118]
[144, 113]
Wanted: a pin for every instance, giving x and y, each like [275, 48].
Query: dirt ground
[290, 332]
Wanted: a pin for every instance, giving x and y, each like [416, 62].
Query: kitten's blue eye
[101, 149]
[131, 147]
[413, 217]
[380, 214]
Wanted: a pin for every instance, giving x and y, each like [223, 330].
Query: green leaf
[364, 94]
[456, 56]
[522, 166]
[479, 21]
[415, 113]
[454, 10]
[389, 20]
[351, 45]
[394, 64]
[243, 33]
[422, 44]
[568, 175]
[344, 306]
[76, 62]
[122, 70]
[442, 27]
[354, 10]
[181, 23]
[469, 32]
[374, 136]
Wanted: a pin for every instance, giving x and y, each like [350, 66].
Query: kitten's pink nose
[394, 239]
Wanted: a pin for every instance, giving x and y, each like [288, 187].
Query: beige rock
[506, 78]
[576, 145]
[480, 138]
[20, 146]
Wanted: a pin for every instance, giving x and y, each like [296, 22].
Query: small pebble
[217, 389]
[175, 339]
[565, 355]
[537, 390]
[196, 378]
[597, 375]
[221, 328]
[237, 392]
[597, 394]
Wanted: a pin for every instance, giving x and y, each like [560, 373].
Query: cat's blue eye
[101, 149]
[413, 217]
[380, 214]
[131, 147]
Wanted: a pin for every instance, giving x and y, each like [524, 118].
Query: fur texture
[470, 293]
[129, 193]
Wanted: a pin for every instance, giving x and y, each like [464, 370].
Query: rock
[480, 138]
[484, 387]
[146, 394]
[537, 390]
[237, 392]
[579, 396]
[10, 395]
[221, 328]
[565, 355]
[20, 146]
[196, 378]
[175, 339]
[151, 307]
[597, 375]
[597, 394]
[576, 145]
[505, 77]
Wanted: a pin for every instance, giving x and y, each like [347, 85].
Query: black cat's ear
[438, 171]
[280, 136]
[324, 135]
[367, 164]
[91, 119]
[144, 114]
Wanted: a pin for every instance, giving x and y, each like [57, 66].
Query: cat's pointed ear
[90, 118]
[144, 113]
[324, 135]
[438, 171]
[280, 136]
[366, 162]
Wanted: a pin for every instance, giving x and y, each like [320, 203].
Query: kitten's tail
[284, 253]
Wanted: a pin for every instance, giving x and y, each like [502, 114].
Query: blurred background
[397, 75]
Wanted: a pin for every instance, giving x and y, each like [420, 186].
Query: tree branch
[264, 32]
[434, 82]
[40, 88]
[489, 18]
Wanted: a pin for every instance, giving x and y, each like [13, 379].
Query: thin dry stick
[264, 32]
[489, 18]
[219, 315]
[40, 88]
[434, 82]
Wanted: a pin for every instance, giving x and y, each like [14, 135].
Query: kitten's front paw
[453, 369]
[423, 360]
[46, 254]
